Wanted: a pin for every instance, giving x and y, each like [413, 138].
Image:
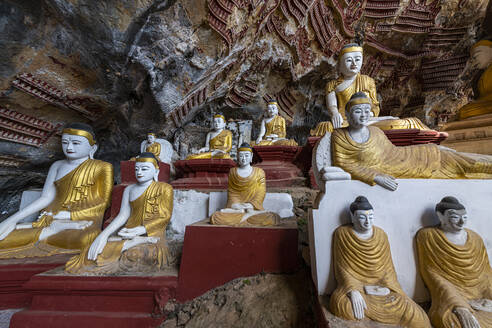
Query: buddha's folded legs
[22, 237]
[206, 155]
[236, 219]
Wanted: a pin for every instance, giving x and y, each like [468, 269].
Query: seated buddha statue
[75, 195]
[481, 53]
[219, 141]
[350, 81]
[272, 129]
[367, 155]
[151, 146]
[367, 285]
[246, 191]
[454, 264]
[161, 148]
[146, 208]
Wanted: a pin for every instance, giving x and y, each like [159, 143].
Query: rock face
[132, 66]
[267, 301]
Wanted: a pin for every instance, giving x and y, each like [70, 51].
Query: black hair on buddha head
[81, 126]
[148, 155]
[360, 203]
[449, 203]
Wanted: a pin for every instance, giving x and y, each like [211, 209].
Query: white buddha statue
[272, 129]
[218, 143]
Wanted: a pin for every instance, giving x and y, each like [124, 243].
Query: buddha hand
[386, 181]
[97, 246]
[358, 304]
[129, 233]
[465, 317]
[272, 136]
[336, 120]
[6, 227]
[203, 150]
[62, 215]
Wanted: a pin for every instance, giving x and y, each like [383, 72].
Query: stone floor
[5, 316]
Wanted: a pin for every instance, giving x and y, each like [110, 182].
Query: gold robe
[86, 193]
[153, 210]
[483, 105]
[276, 126]
[359, 263]
[155, 149]
[222, 141]
[364, 161]
[362, 83]
[251, 190]
[454, 275]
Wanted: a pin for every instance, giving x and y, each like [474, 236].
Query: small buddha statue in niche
[454, 264]
[367, 155]
[151, 146]
[350, 81]
[146, 208]
[481, 53]
[272, 129]
[246, 191]
[367, 285]
[75, 195]
[218, 143]
[161, 148]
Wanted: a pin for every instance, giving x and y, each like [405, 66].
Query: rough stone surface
[266, 300]
[189, 207]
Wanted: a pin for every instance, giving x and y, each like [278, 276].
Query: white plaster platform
[280, 203]
[400, 214]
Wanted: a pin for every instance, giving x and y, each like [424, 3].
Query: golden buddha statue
[367, 287]
[152, 145]
[145, 211]
[455, 267]
[367, 155]
[350, 81]
[272, 129]
[245, 194]
[219, 141]
[481, 53]
[75, 195]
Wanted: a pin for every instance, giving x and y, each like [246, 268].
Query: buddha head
[150, 138]
[452, 214]
[350, 60]
[78, 141]
[219, 122]
[244, 155]
[146, 168]
[481, 54]
[272, 109]
[362, 215]
[358, 110]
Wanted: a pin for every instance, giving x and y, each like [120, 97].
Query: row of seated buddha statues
[472, 129]
[362, 152]
[452, 260]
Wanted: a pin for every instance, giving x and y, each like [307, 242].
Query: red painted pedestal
[214, 255]
[127, 169]
[14, 273]
[202, 173]
[277, 162]
[81, 301]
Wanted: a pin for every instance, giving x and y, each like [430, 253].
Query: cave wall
[129, 67]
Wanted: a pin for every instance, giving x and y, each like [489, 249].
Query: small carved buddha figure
[454, 264]
[152, 146]
[146, 208]
[75, 195]
[219, 141]
[367, 287]
[481, 53]
[350, 81]
[245, 194]
[272, 129]
[367, 155]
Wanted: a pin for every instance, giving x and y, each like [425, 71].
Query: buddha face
[350, 63]
[481, 57]
[76, 147]
[244, 158]
[453, 220]
[144, 171]
[359, 115]
[272, 110]
[150, 138]
[218, 123]
[363, 220]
